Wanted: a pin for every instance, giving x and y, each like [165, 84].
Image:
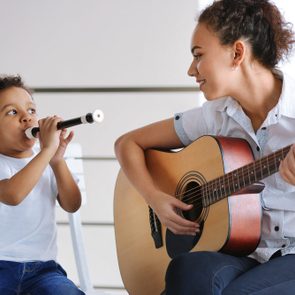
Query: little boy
[30, 183]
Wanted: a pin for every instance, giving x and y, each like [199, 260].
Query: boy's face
[17, 113]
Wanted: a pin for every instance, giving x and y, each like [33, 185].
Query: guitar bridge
[156, 228]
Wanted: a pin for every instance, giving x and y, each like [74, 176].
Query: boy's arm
[69, 196]
[14, 190]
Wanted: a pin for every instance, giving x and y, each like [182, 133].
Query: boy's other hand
[63, 143]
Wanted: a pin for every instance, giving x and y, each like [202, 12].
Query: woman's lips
[201, 82]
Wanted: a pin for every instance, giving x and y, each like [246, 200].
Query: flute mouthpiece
[29, 133]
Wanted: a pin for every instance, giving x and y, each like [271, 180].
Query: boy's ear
[239, 51]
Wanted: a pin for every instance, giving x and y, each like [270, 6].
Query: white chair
[73, 158]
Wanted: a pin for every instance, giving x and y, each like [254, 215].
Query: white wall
[97, 42]
[100, 43]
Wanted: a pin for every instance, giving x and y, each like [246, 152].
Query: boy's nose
[26, 118]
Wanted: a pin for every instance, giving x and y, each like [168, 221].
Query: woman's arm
[130, 149]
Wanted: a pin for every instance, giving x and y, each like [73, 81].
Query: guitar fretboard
[234, 181]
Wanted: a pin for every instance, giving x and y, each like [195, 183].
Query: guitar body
[231, 225]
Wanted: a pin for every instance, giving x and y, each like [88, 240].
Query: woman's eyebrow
[195, 47]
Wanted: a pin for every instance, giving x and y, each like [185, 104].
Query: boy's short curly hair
[7, 81]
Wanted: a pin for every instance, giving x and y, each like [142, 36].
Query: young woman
[236, 47]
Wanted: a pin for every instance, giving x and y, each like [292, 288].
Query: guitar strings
[198, 193]
[245, 171]
[195, 194]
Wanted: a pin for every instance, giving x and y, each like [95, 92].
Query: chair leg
[79, 251]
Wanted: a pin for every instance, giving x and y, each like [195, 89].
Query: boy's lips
[24, 133]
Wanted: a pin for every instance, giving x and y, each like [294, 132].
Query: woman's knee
[203, 272]
[199, 262]
[190, 273]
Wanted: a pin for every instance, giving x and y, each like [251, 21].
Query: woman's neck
[258, 93]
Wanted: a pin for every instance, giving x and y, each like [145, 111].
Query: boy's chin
[30, 143]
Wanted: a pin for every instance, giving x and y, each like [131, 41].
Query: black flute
[97, 116]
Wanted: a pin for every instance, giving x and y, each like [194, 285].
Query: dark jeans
[211, 273]
[35, 278]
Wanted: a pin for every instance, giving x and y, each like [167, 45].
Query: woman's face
[213, 63]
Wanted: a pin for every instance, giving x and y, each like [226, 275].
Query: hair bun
[258, 21]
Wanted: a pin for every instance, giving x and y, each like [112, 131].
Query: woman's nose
[192, 70]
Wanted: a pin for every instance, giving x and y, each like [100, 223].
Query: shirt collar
[227, 104]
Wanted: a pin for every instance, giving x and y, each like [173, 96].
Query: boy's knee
[68, 290]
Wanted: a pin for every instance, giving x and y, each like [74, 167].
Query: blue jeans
[211, 273]
[35, 278]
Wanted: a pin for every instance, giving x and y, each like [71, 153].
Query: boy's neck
[17, 154]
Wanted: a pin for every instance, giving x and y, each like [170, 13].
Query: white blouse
[225, 117]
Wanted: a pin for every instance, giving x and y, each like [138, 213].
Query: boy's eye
[11, 112]
[32, 111]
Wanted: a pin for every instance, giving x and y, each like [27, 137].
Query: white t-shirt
[28, 230]
[225, 117]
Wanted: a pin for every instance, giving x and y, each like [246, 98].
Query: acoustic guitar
[215, 174]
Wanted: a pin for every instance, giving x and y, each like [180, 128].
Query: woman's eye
[197, 56]
[11, 112]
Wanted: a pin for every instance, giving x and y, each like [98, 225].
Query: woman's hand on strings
[166, 207]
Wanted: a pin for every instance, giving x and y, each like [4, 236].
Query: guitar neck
[238, 179]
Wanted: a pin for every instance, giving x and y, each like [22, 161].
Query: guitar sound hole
[191, 196]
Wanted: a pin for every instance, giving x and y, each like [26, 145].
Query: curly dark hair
[257, 21]
[7, 81]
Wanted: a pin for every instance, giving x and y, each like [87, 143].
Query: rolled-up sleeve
[178, 125]
[190, 125]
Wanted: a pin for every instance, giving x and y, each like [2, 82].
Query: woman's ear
[239, 51]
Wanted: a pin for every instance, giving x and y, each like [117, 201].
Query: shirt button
[258, 148]
[263, 128]
[277, 228]
[177, 118]
[283, 246]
